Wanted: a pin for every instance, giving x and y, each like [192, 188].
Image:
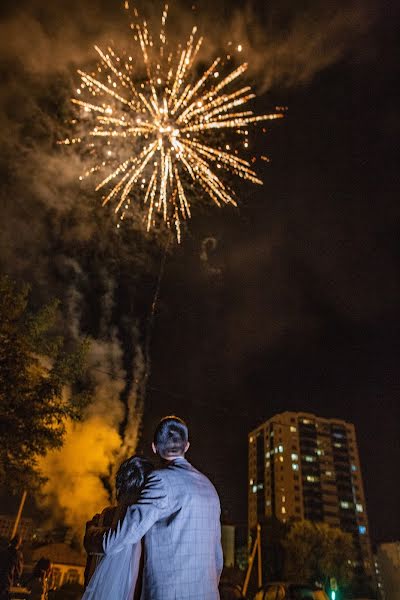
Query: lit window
[281, 458]
[293, 429]
[283, 510]
[72, 576]
[56, 576]
[345, 504]
[267, 464]
[268, 503]
[306, 421]
[260, 486]
[319, 452]
[251, 439]
[353, 468]
[251, 481]
[283, 498]
[359, 507]
[295, 466]
[280, 448]
[309, 458]
[328, 473]
[362, 529]
[254, 489]
[338, 445]
[311, 478]
[295, 456]
[267, 455]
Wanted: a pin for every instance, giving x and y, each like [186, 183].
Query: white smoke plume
[108, 433]
[94, 448]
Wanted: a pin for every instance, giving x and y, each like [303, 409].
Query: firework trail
[158, 130]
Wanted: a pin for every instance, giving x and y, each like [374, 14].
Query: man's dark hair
[171, 437]
[131, 476]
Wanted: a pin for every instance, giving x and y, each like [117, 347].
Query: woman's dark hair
[42, 566]
[131, 476]
[171, 437]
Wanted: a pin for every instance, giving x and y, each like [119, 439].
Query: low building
[388, 562]
[68, 564]
[228, 544]
[379, 580]
[7, 522]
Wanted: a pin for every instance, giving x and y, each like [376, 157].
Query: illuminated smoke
[74, 491]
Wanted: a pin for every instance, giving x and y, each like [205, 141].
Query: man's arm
[153, 504]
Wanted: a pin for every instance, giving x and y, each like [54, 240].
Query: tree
[38, 385]
[273, 532]
[316, 551]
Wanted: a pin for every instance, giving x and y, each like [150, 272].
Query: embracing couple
[164, 538]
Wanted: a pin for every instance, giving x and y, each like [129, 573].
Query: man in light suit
[178, 513]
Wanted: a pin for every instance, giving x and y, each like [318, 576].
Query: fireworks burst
[156, 129]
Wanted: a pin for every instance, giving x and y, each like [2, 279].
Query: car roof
[297, 583]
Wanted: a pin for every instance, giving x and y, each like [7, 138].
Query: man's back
[183, 555]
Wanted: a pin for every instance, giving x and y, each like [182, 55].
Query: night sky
[291, 301]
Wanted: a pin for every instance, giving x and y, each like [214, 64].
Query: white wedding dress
[116, 575]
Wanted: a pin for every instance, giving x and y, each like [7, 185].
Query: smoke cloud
[74, 491]
[108, 433]
[208, 246]
[287, 45]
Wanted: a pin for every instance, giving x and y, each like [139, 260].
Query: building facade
[306, 467]
[68, 565]
[388, 566]
[228, 544]
[25, 528]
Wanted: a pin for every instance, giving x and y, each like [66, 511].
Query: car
[283, 590]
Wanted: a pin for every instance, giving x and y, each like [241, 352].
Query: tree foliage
[273, 533]
[316, 551]
[38, 385]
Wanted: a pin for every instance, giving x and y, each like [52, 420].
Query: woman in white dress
[118, 576]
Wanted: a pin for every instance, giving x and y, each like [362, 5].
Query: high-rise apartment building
[306, 467]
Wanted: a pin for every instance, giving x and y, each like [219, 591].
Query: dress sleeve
[94, 532]
[153, 504]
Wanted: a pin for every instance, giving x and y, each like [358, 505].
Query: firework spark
[156, 129]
